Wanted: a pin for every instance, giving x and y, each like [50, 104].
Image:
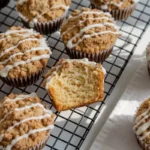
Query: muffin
[24, 55]
[3, 3]
[25, 123]
[45, 16]
[148, 57]
[89, 34]
[75, 83]
[120, 9]
[142, 125]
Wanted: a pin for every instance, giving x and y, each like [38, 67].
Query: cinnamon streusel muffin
[25, 123]
[23, 56]
[120, 9]
[46, 16]
[142, 125]
[75, 83]
[89, 34]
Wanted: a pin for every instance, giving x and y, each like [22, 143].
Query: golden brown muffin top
[75, 83]
[90, 31]
[141, 122]
[113, 4]
[43, 10]
[24, 122]
[23, 52]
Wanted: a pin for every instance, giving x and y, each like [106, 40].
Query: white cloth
[117, 133]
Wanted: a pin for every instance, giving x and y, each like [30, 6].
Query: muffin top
[75, 83]
[141, 122]
[90, 31]
[43, 10]
[24, 122]
[113, 4]
[23, 52]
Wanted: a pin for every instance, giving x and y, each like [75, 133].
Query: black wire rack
[72, 126]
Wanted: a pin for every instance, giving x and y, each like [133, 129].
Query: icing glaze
[47, 113]
[140, 125]
[85, 61]
[69, 43]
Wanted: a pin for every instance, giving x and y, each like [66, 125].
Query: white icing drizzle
[69, 43]
[18, 98]
[139, 129]
[50, 127]
[4, 72]
[84, 61]
[99, 18]
[47, 113]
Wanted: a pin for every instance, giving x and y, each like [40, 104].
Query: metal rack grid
[73, 126]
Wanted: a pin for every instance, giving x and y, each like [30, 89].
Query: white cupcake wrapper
[97, 57]
[44, 27]
[118, 14]
[41, 145]
[22, 82]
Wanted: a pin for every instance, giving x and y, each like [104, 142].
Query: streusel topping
[43, 10]
[24, 122]
[113, 4]
[22, 52]
[90, 31]
[141, 122]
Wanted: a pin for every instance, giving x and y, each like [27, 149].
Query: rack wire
[72, 126]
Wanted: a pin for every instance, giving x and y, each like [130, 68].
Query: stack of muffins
[89, 36]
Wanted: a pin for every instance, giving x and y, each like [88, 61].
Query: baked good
[142, 125]
[75, 83]
[148, 57]
[25, 123]
[3, 3]
[45, 16]
[24, 55]
[120, 9]
[89, 34]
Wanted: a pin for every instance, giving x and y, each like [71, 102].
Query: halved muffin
[75, 83]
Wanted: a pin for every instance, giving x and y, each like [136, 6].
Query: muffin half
[45, 16]
[119, 9]
[24, 55]
[75, 83]
[89, 34]
[25, 123]
[142, 125]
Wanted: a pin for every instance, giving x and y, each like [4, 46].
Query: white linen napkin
[117, 133]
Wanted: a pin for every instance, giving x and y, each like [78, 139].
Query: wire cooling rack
[72, 127]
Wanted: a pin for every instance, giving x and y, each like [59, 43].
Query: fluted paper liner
[97, 57]
[24, 81]
[43, 27]
[120, 14]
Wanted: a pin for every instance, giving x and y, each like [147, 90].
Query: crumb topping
[43, 10]
[22, 119]
[141, 122]
[113, 4]
[80, 82]
[23, 52]
[90, 31]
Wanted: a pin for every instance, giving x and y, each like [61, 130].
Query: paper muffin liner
[43, 27]
[118, 14]
[41, 145]
[143, 145]
[3, 3]
[22, 82]
[97, 57]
